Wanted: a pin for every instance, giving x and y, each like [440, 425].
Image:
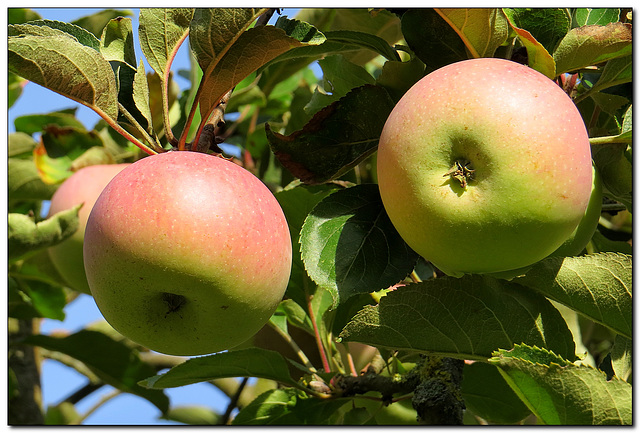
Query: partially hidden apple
[484, 165]
[83, 186]
[187, 253]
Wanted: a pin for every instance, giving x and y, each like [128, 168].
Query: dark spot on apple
[224, 307]
[174, 302]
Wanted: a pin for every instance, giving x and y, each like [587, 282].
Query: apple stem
[316, 331]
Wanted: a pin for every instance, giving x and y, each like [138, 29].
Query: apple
[580, 237]
[83, 186]
[484, 166]
[187, 253]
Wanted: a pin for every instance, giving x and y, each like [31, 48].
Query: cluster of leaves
[313, 141]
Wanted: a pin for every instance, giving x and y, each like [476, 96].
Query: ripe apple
[187, 253]
[83, 186]
[484, 165]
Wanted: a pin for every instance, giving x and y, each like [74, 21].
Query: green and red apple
[484, 166]
[187, 253]
[83, 186]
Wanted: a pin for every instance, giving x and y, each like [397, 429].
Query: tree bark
[25, 405]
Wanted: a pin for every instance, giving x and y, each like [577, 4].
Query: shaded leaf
[561, 393]
[487, 395]
[364, 40]
[112, 361]
[398, 77]
[590, 45]
[615, 72]
[26, 236]
[431, 39]
[237, 363]
[20, 145]
[288, 407]
[547, 25]
[65, 66]
[116, 42]
[616, 171]
[64, 413]
[21, 15]
[482, 30]
[337, 138]
[465, 318]
[15, 86]
[597, 286]
[32, 296]
[349, 245]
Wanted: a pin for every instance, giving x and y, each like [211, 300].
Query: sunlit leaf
[561, 393]
[349, 245]
[26, 236]
[482, 30]
[465, 318]
[590, 45]
[538, 56]
[597, 286]
[65, 66]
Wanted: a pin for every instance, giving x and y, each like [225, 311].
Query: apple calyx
[462, 172]
[174, 302]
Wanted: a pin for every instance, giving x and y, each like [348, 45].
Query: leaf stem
[294, 346]
[154, 144]
[316, 331]
[611, 139]
[234, 402]
[96, 406]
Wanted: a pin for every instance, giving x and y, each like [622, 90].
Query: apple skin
[187, 253]
[83, 186]
[529, 148]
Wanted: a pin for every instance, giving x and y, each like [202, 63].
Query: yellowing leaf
[482, 30]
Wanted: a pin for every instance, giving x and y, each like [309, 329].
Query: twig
[294, 346]
[234, 402]
[96, 406]
[83, 392]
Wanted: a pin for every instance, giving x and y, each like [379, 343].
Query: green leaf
[364, 40]
[296, 203]
[465, 318]
[482, 30]
[116, 42]
[161, 31]
[621, 357]
[488, 395]
[590, 45]
[592, 16]
[431, 39]
[244, 54]
[35, 123]
[538, 56]
[349, 245]
[561, 393]
[602, 244]
[140, 95]
[615, 72]
[56, 28]
[96, 22]
[21, 15]
[616, 171]
[398, 77]
[288, 407]
[16, 84]
[192, 415]
[26, 236]
[24, 182]
[112, 361]
[597, 286]
[32, 295]
[20, 145]
[64, 413]
[62, 64]
[237, 363]
[339, 77]
[547, 25]
[337, 138]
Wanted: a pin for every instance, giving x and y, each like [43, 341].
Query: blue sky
[59, 381]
